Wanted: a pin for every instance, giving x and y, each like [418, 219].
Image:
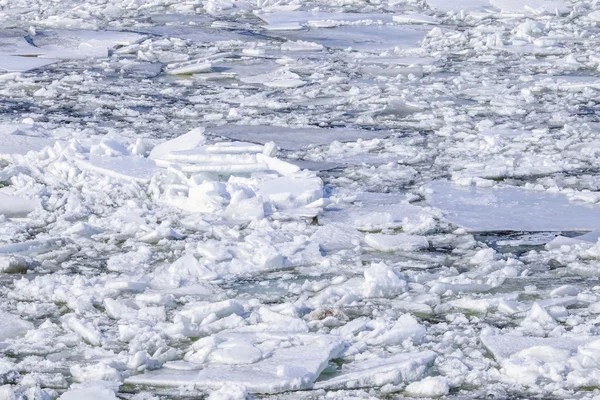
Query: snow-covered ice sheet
[511, 209]
[15, 139]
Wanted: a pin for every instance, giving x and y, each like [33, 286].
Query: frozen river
[299, 199]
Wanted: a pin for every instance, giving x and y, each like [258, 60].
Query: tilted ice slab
[589, 239]
[123, 168]
[393, 370]
[294, 138]
[23, 64]
[262, 362]
[511, 209]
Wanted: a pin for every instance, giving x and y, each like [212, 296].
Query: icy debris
[86, 330]
[432, 386]
[531, 361]
[511, 209]
[92, 392]
[11, 264]
[396, 242]
[11, 326]
[415, 19]
[78, 44]
[258, 184]
[229, 392]
[382, 281]
[281, 78]
[398, 368]
[259, 362]
[316, 19]
[504, 347]
[378, 211]
[189, 67]
[335, 237]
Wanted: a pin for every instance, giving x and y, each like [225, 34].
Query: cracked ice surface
[299, 199]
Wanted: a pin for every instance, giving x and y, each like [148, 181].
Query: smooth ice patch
[504, 347]
[511, 209]
[23, 64]
[14, 140]
[15, 206]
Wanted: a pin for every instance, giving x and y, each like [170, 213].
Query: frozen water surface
[293, 199]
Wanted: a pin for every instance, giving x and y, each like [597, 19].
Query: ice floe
[511, 209]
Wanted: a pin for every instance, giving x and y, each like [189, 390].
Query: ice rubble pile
[233, 180]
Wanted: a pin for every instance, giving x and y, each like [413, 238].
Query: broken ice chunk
[295, 362]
